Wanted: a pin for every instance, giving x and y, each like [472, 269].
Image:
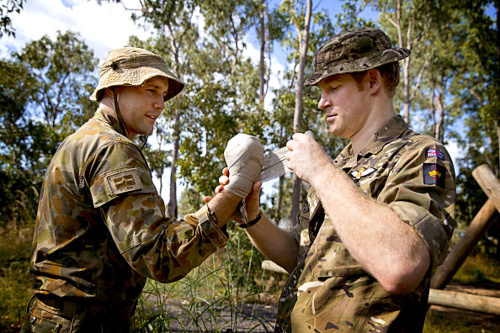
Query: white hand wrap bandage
[244, 154]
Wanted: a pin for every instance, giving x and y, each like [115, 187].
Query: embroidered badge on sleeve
[434, 174]
[124, 181]
[434, 153]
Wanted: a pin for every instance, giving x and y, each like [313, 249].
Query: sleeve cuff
[207, 223]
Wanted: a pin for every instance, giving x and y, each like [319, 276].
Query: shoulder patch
[434, 174]
[124, 181]
[434, 153]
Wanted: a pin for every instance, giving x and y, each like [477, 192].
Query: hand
[252, 201]
[306, 158]
[243, 154]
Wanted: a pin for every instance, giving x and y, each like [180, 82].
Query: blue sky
[108, 26]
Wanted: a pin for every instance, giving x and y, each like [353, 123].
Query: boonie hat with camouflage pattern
[352, 51]
[131, 66]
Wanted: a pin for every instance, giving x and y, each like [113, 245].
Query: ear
[375, 80]
[109, 92]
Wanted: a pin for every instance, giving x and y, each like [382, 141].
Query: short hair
[390, 77]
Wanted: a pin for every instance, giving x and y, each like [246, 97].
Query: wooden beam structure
[463, 301]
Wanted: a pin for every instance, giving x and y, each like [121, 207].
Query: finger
[219, 189]
[257, 186]
[225, 171]
[254, 194]
[223, 180]
[207, 199]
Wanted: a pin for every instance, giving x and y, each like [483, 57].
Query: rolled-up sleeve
[421, 190]
[154, 245]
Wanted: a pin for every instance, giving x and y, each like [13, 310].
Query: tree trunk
[304, 43]
[277, 206]
[172, 202]
[262, 23]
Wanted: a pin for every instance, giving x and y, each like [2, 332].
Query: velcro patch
[434, 174]
[124, 181]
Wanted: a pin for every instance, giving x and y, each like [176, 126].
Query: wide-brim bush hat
[131, 66]
[354, 51]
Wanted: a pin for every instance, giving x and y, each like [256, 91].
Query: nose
[323, 101]
[159, 103]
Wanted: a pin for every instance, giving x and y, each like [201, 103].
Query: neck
[109, 103]
[380, 114]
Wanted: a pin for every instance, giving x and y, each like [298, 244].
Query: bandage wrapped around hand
[244, 154]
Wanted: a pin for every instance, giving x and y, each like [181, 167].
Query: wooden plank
[489, 183]
[481, 222]
[463, 301]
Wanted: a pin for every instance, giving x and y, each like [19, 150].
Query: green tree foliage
[6, 9]
[203, 42]
[19, 153]
[44, 94]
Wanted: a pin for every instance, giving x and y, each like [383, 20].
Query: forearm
[223, 205]
[376, 237]
[275, 243]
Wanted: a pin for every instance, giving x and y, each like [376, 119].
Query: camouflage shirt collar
[106, 116]
[394, 128]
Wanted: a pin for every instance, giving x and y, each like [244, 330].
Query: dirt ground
[260, 317]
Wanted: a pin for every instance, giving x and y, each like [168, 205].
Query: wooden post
[481, 222]
[457, 300]
[489, 183]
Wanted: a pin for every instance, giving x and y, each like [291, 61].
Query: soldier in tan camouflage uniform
[101, 227]
[380, 216]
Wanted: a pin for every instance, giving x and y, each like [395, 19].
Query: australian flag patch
[434, 174]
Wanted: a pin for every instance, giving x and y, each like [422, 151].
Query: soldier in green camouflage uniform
[101, 227]
[379, 217]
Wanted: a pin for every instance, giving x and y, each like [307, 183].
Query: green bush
[15, 281]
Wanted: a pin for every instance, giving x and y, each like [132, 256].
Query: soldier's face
[140, 106]
[345, 103]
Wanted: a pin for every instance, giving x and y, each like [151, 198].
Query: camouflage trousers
[68, 316]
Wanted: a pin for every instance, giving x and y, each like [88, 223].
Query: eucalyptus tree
[285, 101]
[43, 90]
[203, 41]
[19, 153]
[303, 38]
[177, 33]
[64, 73]
[480, 89]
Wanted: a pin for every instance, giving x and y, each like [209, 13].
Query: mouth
[330, 117]
[153, 117]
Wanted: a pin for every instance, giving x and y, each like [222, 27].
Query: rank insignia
[434, 174]
[357, 174]
[124, 181]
